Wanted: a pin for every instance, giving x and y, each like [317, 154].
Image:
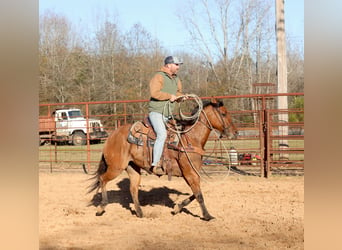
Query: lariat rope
[195, 116]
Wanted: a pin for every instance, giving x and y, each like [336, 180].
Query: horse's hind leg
[135, 177]
[104, 179]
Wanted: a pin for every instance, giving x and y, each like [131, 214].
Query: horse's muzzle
[230, 135]
[233, 135]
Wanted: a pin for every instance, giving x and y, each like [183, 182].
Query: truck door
[62, 124]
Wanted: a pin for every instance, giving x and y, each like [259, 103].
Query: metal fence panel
[263, 146]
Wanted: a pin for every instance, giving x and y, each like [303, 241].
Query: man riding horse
[164, 86]
[120, 154]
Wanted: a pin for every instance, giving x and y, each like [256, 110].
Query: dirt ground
[251, 213]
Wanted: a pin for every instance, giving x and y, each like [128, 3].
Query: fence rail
[265, 145]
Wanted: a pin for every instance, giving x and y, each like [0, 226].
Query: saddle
[144, 128]
[142, 134]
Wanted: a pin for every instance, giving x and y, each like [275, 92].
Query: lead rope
[219, 139]
[225, 150]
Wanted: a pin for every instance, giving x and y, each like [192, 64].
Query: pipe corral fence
[270, 141]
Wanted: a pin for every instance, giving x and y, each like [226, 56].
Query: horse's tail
[101, 170]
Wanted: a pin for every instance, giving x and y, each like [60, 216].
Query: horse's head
[220, 118]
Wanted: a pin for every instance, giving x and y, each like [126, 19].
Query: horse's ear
[216, 102]
[213, 100]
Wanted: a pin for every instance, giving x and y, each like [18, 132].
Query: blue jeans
[157, 121]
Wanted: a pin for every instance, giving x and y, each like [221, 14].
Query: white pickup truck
[70, 126]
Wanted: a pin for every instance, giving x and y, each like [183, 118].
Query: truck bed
[46, 124]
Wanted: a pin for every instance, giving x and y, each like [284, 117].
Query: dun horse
[184, 160]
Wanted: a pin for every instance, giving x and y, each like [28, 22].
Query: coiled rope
[183, 117]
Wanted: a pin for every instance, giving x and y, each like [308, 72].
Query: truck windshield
[75, 114]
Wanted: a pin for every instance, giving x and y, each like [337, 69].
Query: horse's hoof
[208, 218]
[139, 214]
[176, 209]
[100, 213]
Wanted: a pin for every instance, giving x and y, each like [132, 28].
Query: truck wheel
[79, 138]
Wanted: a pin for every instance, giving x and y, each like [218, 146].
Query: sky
[157, 16]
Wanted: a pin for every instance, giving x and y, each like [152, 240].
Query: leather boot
[158, 169]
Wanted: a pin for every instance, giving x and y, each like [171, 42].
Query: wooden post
[88, 137]
[282, 74]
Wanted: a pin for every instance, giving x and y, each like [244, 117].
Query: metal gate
[284, 142]
[268, 143]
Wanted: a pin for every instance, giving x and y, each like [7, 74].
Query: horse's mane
[217, 104]
[206, 103]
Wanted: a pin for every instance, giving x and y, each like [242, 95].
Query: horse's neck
[200, 132]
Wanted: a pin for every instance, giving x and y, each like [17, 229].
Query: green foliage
[298, 104]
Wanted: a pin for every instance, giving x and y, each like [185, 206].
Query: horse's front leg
[200, 199]
[187, 201]
[193, 181]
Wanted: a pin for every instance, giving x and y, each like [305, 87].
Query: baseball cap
[172, 59]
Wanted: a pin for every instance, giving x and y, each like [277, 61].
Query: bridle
[219, 114]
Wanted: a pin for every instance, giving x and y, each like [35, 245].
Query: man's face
[173, 68]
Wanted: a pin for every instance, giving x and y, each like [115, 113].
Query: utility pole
[282, 73]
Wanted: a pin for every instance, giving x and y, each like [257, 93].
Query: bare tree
[143, 52]
[295, 67]
[108, 45]
[230, 36]
[55, 41]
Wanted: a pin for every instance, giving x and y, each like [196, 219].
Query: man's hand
[182, 98]
[173, 98]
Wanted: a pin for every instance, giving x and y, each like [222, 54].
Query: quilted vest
[169, 86]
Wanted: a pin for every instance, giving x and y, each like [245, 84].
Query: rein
[225, 128]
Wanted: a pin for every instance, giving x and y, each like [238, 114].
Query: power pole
[281, 72]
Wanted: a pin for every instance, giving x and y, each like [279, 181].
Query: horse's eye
[224, 114]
